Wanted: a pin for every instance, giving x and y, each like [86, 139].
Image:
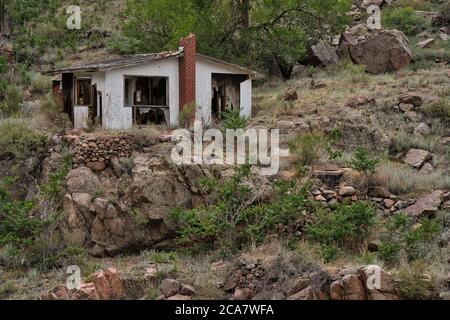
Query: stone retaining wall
[96, 152]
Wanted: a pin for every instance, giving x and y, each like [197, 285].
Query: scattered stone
[416, 157]
[359, 100]
[422, 129]
[379, 192]
[178, 297]
[413, 99]
[405, 107]
[242, 294]
[320, 198]
[411, 116]
[427, 205]
[388, 203]
[347, 191]
[290, 95]
[427, 168]
[425, 43]
[187, 290]
[169, 287]
[444, 36]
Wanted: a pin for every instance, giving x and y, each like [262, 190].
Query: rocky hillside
[364, 190]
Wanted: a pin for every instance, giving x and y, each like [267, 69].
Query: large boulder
[132, 211]
[416, 157]
[82, 180]
[428, 204]
[323, 54]
[386, 52]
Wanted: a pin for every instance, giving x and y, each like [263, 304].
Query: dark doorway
[226, 93]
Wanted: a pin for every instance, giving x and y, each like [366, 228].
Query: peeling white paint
[118, 116]
[81, 116]
[246, 99]
[204, 70]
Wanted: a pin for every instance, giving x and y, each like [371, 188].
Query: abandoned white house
[153, 88]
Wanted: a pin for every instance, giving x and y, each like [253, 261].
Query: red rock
[187, 290]
[353, 288]
[178, 297]
[102, 285]
[427, 205]
[242, 294]
[96, 166]
[169, 287]
[116, 285]
[88, 291]
[388, 203]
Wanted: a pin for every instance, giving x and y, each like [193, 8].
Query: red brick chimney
[187, 70]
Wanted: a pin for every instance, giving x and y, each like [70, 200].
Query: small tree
[233, 120]
[364, 161]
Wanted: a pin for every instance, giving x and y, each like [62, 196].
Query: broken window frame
[153, 107]
[89, 92]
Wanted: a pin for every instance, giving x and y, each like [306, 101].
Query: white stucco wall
[115, 114]
[80, 117]
[204, 70]
[98, 78]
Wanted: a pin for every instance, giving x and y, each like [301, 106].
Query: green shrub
[51, 189]
[363, 160]
[403, 19]
[412, 284]
[389, 251]
[404, 236]
[233, 120]
[330, 252]
[160, 257]
[330, 144]
[306, 148]
[3, 64]
[231, 220]
[16, 226]
[186, 115]
[10, 102]
[343, 226]
[18, 140]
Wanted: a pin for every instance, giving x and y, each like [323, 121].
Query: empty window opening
[147, 96]
[225, 93]
[83, 92]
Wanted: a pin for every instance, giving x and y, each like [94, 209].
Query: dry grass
[401, 179]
